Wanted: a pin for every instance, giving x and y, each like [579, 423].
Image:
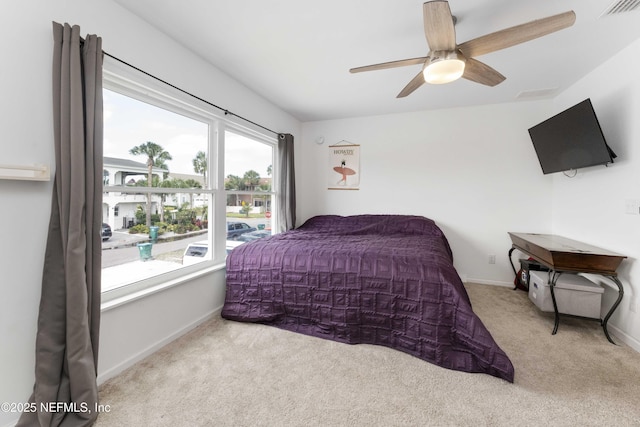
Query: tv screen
[571, 139]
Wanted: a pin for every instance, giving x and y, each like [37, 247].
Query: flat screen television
[570, 140]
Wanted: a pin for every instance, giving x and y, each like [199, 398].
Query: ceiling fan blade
[515, 35]
[480, 72]
[392, 64]
[438, 26]
[414, 84]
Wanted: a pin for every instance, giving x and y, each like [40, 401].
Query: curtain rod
[226, 112]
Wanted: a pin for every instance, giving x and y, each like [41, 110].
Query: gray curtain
[287, 183]
[69, 316]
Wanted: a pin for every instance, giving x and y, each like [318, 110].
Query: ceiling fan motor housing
[443, 66]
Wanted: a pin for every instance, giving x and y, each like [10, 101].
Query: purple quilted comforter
[374, 279]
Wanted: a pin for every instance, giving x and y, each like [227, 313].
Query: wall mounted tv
[570, 140]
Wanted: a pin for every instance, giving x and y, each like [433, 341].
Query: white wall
[591, 206]
[472, 170]
[132, 331]
[26, 138]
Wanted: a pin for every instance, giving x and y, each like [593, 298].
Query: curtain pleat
[287, 183]
[69, 313]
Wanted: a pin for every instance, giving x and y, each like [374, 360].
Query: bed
[371, 279]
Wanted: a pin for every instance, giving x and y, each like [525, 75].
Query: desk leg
[515, 273]
[615, 305]
[553, 278]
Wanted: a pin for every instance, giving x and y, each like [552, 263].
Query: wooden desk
[562, 255]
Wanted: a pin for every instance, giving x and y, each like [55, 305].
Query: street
[114, 253]
[121, 247]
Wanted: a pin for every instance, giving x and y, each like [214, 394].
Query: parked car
[106, 231]
[199, 251]
[196, 252]
[235, 229]
[254, 235]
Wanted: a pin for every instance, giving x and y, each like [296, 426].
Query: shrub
[162, 227]
[184, 228]
[141, 216]
[185, 216]
[139, 229]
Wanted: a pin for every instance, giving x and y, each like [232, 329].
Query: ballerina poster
[344, 166]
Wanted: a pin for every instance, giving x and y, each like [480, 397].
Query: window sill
[143, 293]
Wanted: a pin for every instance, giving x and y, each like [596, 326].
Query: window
[166, 163]
[248, 181]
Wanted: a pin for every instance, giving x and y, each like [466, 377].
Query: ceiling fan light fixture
[443, 67]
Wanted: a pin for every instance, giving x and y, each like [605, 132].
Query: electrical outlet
[633, 305]
[632, 206]
[492, 259]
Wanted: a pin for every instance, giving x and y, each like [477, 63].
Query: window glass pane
[248, 164]
[243, 226]
[129, 258]
[152, 232]
[178, 144]
[248, 172]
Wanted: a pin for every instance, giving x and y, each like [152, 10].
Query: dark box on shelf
[527, 265]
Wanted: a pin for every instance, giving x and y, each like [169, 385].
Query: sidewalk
[122, 238]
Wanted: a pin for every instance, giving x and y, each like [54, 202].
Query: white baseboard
[623, 337]
[130, 361]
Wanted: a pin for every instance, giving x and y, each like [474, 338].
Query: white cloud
[129, 123]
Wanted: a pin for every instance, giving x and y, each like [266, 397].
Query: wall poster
[344, 166]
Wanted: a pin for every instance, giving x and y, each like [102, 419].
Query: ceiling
[298, 53]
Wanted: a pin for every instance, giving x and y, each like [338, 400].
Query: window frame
[128, 82]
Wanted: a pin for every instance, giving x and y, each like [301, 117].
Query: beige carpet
[234, 374]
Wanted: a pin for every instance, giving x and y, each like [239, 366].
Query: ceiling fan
[448, 61]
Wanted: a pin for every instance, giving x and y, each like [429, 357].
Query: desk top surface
[554, 243]
[562, 254]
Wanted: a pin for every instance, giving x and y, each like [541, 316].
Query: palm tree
[168, 183]
[200, 166]
[156, 156]
[191, 183]
[251, 179]
[233, 182]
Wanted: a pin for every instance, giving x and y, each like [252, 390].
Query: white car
[196, 252]
[199, 251]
